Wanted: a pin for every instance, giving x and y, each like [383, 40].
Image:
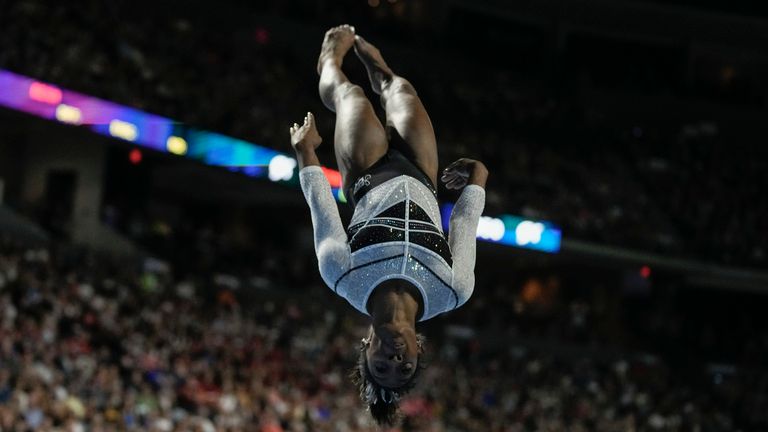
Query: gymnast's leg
[360, 138]
[405, 112]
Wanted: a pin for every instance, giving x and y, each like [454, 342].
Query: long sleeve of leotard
[333, 254]
[463, 239]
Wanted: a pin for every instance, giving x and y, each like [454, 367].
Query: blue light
[254, 171]
[151, 131]
[512, 231]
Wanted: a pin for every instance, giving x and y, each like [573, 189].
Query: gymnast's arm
[333, 255]
[472, 176]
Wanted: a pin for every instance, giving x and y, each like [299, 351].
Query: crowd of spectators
[715, 199]
[549, 157]
[89, 343]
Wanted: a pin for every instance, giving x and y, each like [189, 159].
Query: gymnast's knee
[348, 90]
[398, 85]
[333, 95]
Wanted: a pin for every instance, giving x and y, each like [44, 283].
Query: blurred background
[156, 262]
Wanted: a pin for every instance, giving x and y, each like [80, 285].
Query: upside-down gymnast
[393, 261]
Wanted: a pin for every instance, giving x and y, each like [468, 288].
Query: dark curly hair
[383, 402]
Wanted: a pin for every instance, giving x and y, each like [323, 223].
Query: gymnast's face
[392, 355]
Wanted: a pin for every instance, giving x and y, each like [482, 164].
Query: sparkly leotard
[395, 232]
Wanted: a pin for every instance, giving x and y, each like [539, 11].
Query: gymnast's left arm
[470, 175]
[333, 254]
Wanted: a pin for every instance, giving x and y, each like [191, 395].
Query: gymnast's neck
[395, 303]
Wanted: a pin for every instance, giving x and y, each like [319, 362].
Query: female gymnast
[393, 261]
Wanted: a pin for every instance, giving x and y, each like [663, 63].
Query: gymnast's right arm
[333, 254]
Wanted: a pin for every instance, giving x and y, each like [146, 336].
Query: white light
[490, 228]
[123, 129]
[68, 114]
[528, 232]
[281, 168]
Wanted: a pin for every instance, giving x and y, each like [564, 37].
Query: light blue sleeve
[462, 238]
[331, 247]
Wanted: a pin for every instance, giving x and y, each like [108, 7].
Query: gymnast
[393, 262]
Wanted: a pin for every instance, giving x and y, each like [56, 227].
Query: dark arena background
[157, 269]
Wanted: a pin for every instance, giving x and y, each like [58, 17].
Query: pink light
[135, 156]
[645, 271]
[262, 36]
[45, 93]
[333, 176]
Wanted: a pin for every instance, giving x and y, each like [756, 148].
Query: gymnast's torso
[395, 233]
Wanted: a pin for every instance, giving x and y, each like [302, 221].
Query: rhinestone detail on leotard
[395, 233]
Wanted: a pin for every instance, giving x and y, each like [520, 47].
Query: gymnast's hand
[463, 172]
[305, 137]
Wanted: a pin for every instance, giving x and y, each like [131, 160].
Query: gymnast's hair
[383, 402]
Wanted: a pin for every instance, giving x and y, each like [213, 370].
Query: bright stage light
[176, 145]
[146, 130]
[528, 232]
[281, 168]
[45, 93]
[68, 114]
[124, 130]
[333, 176]
[490, 228]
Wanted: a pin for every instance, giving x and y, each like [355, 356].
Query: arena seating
[550, 158]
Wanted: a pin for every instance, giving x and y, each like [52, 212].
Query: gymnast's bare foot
[338, 40]
[378, 71]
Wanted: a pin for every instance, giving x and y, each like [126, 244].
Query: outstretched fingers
[305, 132]
[309, 122]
